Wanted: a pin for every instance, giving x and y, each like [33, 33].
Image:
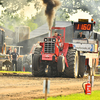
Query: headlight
[45, 39]
[53, 40]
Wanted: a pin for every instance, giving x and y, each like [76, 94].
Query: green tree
[10, 17]
[13, 6]
[72, 6]
[40, 18]
[31, 23]
[67, 7]
[10, 21]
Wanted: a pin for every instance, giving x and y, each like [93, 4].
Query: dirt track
[28, 88]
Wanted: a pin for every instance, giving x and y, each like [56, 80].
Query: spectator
[9, 53]
[14, 59]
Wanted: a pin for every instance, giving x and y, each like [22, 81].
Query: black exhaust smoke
[51, 7]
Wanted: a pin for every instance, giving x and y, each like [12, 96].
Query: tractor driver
[60, 44]
[57, 36]
[80, 35]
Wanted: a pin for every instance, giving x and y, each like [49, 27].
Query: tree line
[10, 18]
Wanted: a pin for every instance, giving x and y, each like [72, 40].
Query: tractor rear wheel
[36, 62]
[73, 64]
[37, 66]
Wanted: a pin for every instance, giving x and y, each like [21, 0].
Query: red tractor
[52, 60]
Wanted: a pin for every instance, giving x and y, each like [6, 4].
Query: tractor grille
[49, 47]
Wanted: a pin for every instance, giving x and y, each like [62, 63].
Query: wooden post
[46, 85]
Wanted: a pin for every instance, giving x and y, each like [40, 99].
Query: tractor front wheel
[61, 64]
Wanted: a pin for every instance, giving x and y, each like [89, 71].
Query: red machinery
[66, 46]
[53, 60]
[69, 60]
[88, 46]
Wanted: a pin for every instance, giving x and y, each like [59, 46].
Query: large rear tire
[73, 64]
[36, 62]
[38, 68]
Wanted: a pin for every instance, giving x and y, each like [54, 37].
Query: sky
[80, 15]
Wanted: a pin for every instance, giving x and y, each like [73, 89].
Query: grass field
[79, 96]
[20, 72]
[97, 74]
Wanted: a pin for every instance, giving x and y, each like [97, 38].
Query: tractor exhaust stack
[49, 33]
